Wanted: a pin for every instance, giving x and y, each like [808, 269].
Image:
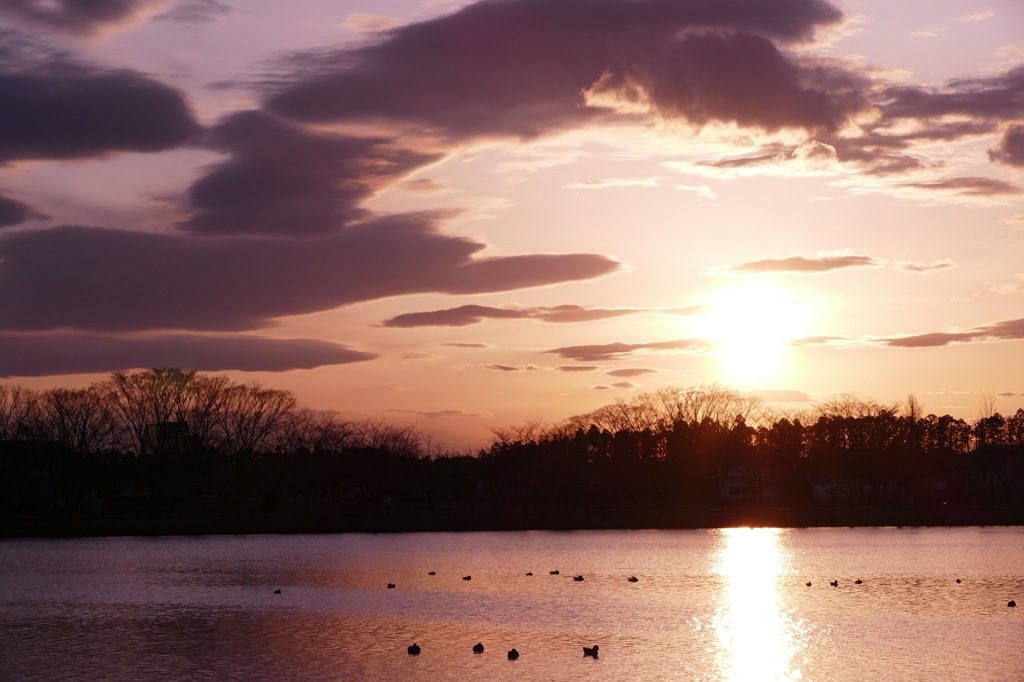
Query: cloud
[14, 212]
[82, 17]
[628, 385]
[1011, 394]
[466, 315]
[140, 281]
[612, 351]
[521, 68]
[995, 97]
[27, 355]
[969, 186]
[69, 111]
[617, 183]
[1004, 330]
[977, 16]
[576, 368]
[196, 12]
[441, 414]
[1011, 148]
[511, 368]
[456, 344]
[630, 372]
[425, 186]
[284, 180]
[369, 23]
[803, 265]
[924, 268]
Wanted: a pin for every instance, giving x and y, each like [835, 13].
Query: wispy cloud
[474, 314]
[977, 16]
[925, 268]
[611, 351]
[802, 265]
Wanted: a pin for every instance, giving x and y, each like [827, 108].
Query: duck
[391, 586]
[554, 572]
[808, 583]
[858, 581]
[834, 583]
[578, 578]
[513, 654]
[467, 577]
[958, 580]
[633, 579]
[529, 573]
[478, 648]
[1011, 603]
[590, 651]
[432, 573]
[277, 591]
[414, 649]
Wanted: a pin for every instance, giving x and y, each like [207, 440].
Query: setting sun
[751, 326]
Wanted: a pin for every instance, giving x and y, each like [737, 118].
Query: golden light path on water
[757, 640]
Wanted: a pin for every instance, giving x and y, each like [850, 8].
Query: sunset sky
[470, 215]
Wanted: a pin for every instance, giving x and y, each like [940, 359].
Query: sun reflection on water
[756, 638]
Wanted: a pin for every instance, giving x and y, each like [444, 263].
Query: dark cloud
[111, 280]
[80, 17]
[284, 180]
[70, 111]
[630, 372]
[14, 212]
[970, 186]
[922, 268]
[456, 344]
[521, 68]
[196, 12]
[802, 264]
[1011, 148]
[440, 414]
[1004, 330]
[577, 368]
[474, 314]
[511, 368]
[26, 355]
[998, 97]
[612, 351]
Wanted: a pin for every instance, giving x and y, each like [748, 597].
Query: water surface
[729, 604]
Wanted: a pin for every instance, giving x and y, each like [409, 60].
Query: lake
[723, 604]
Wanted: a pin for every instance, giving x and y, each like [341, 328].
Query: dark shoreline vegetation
[172, 452]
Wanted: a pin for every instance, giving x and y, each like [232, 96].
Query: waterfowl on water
[1011, 603]
[529, 573]
[958, 580]
[808, 583]
[578, 578]
[834, 583]
[414, 649]
[432, 573]
[632, 579]
[391, 586]
[478, 648]
[554, 572]
[591, 651]
[858, 581]
[513, 654]
[277, 591]
[467, 577]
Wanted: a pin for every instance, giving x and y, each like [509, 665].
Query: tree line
[168, 442]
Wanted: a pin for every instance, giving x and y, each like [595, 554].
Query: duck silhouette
[432, 573]
[391, 586]
[277, 591]
[858, 581]
[578, 578]
[808, 583]
[834, 583]
[633, 579]
[478, 648]
[467, 577]
[414, 649]
[590, 651]
[1011, 603]
[513, 654]
[529, 573]
[554, 572]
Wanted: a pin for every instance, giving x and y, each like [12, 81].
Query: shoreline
[478, 520]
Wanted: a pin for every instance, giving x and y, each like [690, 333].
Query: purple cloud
[81, 17]
[67, 111]
[803, 265]
[27, 355]
[1011, 148]
[611, 351]
[969, 186]
[196, 12]
[924, 268]
[1004, 330]
[139, 281]
[466, 315]
[577, 368]
[440, 414]
[630, 372]
[14, 212]
[284, 180]
[995, 97]
[521, 68]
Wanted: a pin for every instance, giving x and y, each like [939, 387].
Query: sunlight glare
[755, 637]
[751, 326]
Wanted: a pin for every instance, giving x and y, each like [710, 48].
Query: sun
[751, 326]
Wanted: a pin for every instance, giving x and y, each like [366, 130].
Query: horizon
[410, 211]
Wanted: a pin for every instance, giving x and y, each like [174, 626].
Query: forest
[173, 451]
